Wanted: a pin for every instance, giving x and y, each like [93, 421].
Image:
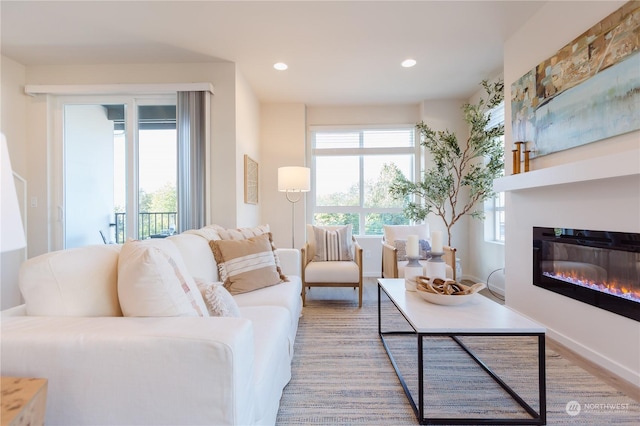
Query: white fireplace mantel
[604, 167]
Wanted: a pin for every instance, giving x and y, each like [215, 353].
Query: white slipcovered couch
[105, 369]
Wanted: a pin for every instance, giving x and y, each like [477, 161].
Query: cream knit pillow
[219, 301]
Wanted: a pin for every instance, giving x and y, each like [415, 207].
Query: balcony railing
[150, 225]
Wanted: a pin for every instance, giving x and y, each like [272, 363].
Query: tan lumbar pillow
[247, 265]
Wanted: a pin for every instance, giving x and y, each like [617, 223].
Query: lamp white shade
[294, 179]
[11, 230]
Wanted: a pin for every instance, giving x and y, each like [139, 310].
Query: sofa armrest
[289, 261]
[389, 261]
[179, 370]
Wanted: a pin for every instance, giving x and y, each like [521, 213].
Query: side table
[24, 401]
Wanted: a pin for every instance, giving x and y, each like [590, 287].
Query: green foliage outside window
[324, 219]
[376, 196]
[162, 200]
[157, 212]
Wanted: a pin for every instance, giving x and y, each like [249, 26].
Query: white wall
[247, 143]
[613, 204]
[13, 125]
[282, 137]
[362, 114]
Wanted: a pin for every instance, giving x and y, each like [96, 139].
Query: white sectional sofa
[107, 369]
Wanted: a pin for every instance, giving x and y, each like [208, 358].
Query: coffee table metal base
[537, 418]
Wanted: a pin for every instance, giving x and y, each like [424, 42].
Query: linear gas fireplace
[600, 268]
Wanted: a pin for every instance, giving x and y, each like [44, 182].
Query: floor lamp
[294, 181]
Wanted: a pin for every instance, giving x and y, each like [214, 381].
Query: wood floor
[370, 293]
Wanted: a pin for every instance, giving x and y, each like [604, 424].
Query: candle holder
[517, 156]
[436, 266]
[412, 269]
[527, 155]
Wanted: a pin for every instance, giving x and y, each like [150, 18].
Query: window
[494, 207]
[352, 169]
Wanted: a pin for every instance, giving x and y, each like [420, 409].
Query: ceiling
[338, 52]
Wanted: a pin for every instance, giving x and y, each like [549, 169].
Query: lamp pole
[293, 181]
[293, 214]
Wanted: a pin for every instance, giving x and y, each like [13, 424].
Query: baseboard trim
[619, 371]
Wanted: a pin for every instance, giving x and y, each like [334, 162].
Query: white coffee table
[480, 317]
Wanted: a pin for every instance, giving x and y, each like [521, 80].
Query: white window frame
[362, 211]
[56, 183]
[493, 209]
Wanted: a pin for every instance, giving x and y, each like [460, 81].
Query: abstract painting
[588, 91]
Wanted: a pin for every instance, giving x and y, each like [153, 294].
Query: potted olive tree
[461, 178]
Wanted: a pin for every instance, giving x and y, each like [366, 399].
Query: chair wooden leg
[304, 298]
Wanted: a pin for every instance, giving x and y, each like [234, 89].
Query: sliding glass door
[118, 173]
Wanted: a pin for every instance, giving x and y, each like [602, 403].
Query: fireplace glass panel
[597, 267]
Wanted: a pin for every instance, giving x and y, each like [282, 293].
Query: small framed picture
[250, 181]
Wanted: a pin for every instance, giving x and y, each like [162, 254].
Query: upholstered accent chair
[393, 246]
[331, 257]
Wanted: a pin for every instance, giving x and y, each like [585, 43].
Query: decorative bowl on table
[446, 292]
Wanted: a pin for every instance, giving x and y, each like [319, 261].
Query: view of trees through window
[353, 170]
[157, 174]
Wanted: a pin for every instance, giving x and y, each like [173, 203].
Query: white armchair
[392, 267]
[320, 267]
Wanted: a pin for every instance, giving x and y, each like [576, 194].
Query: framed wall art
[588, 91]
[250, 181]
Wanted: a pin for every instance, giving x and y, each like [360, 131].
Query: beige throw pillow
[242, 233]
[247, 265]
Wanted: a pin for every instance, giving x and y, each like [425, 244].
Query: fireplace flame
[613, 288]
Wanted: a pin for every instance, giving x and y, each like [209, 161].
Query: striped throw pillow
[332, 244]
[247, 265]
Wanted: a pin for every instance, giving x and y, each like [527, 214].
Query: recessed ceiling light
[408, 63]
[280, 66]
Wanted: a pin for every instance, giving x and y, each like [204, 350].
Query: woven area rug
[343, 376]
